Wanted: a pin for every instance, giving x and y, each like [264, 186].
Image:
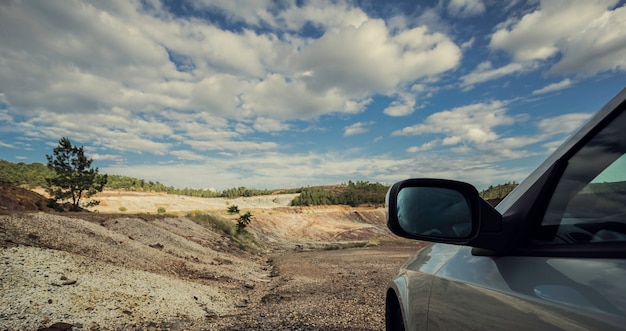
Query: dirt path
[322, 290]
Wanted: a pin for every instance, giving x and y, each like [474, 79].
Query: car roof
[572, 144]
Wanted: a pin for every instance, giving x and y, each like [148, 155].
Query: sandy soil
[149, 202]
[127, 271]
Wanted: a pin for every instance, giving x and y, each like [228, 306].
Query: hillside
[116, 269]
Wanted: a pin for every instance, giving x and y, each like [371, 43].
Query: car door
[568, 270]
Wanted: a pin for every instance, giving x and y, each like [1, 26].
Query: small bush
[234, 209]
[54, 205]
[122, 209]
[161, 210]
[243, 221]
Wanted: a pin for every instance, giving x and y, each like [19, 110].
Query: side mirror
[441, 211]
[434, 211]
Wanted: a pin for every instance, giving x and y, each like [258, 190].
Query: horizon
[290, 94]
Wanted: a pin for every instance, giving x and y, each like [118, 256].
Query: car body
[551, 255]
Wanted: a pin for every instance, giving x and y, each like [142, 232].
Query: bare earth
[116, 270]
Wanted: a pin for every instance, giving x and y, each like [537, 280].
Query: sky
[269, 94]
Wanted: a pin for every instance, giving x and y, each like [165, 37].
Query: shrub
[243, 221]
[213, 222]
[234, 209]
[161, 210]
[244, 240]
[122, 209]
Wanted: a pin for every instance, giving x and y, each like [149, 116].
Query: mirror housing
[444, 211]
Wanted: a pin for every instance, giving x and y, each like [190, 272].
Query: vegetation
[245, 240]
[74, 177]
[243, 192]
[352, 194]
[34, 175]
[161, 210]
[30, 175]
[211, 221]
[498, 191]
[243, 221]
[234, 209]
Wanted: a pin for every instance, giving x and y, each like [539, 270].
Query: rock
[59, 326]
[157, 246]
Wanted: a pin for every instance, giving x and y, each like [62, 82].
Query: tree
[74, 176]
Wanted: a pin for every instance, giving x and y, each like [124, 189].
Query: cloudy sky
[290, 93]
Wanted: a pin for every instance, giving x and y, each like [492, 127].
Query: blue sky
[277, 94]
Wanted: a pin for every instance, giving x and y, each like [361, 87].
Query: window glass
[589, 203]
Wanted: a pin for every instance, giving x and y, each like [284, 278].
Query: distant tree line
[34, 175]
[30, 175]
[351, 194]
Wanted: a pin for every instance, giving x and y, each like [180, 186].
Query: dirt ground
[129, 271]
[323, 290]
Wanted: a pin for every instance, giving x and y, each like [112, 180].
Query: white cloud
[263, 124]
[468, 44]
[562, 124]
[278, 97]
[187, 155]
[397, 109]
[325, 14]
[116, 130]
[220, 94]
[356, 128]
[424, 147]
[94, 58]
[231, 145]
[277, 170]
[129, 77]
[589, 36]
[288, 14]
[565, 83]
[405, 105]
[485, 72]
[105, 157]
[466, 8]
[473, 123]
[364, 60]
[470, 131]
[601, 46]
[552, 145]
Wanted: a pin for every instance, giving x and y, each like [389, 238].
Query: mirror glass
[433, 211]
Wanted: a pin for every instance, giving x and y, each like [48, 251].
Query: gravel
[171, 274]
[40, 286]
[323, 290]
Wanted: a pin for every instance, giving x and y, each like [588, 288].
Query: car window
[589, 202]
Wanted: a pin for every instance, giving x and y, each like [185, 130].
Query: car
[551, 255]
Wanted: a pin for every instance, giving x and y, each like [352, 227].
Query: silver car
[552, 255]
